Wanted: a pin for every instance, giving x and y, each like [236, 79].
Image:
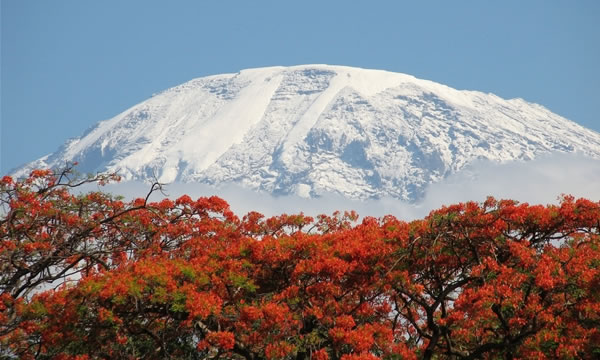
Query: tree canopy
[89, 275]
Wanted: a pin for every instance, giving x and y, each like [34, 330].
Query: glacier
[315, 129]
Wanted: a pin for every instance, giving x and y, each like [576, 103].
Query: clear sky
[67, 64]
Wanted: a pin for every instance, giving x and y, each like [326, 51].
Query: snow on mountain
[316, 129]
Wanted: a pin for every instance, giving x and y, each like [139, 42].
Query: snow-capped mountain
[317, 128]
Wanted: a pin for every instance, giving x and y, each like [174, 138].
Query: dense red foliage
[188, 279]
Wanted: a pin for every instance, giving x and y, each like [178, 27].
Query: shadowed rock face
[318, 128]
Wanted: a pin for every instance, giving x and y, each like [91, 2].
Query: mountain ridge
[311, 129]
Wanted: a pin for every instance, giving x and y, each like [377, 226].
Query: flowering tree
[189, 279]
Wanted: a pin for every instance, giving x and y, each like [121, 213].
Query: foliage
[90, 276]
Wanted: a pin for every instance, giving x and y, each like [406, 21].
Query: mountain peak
[311, 129]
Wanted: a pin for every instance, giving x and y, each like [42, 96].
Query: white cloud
[542, 180]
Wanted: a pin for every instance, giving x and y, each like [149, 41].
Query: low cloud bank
[539, 181]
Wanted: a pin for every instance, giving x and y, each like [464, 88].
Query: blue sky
[67, 64]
